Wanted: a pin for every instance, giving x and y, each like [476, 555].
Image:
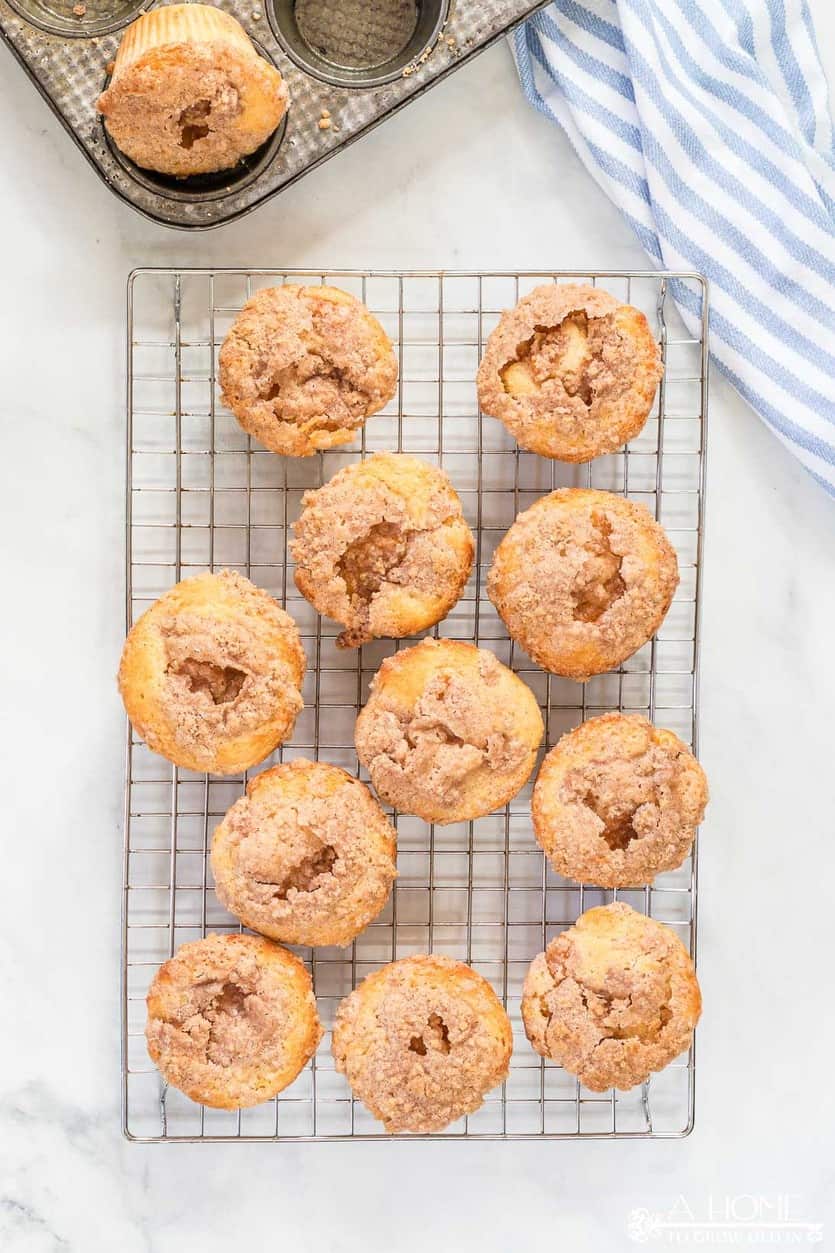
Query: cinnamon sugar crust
[231, 1020]
[448, 732]
[617, 801]
[570, 371]
[421, 1042]
[211, 674]
[582, 580]
[189, 94]
[383, 548]
[303, 367]
[306, 856]
[612, 999]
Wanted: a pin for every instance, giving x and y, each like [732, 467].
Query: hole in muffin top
[619, 1018]
[435, 1036]
[313, 390]
[230, 1000]
[368, 562]
[222, 683]
[618, 829]
[304, 876]
[599, 584]
[553, 352]
[192, 123]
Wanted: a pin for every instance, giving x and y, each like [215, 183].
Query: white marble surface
[467, 176]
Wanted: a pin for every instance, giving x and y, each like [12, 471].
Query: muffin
[618, 801]
[231, 1020]
[612, 999]
[571, 372]
[582, 580]
[306, 856]
[303, 367]
[383, 548]
[211, 674]
[189, 94]
[421, 1042]
[448, 732]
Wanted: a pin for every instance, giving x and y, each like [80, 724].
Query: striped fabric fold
[707, 123]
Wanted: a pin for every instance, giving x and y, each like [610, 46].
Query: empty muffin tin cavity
[356, 43]
[81, 19]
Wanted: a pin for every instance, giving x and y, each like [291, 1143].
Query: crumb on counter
[79, 9]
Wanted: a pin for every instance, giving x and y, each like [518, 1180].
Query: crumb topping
[618, 801]
[583, 570]
[571, 371]
[580, 357]
[434, 748]
[221, 679]
[421, 1042]
[225, 1014]
[598, 582]
[302, 370]
[307, 856]
[378, 531]
[612, 999]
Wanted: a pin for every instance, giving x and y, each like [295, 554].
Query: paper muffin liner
[180, 24]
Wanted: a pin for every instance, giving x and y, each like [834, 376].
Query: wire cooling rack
[201, 495]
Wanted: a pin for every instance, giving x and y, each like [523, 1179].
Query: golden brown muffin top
[383, 547]
[212, 673]
[582, 579]
[303, 367]
[189, 93]
[571, 371]
[223, 676]
[617, 801]
[231, 1020]
[612, 999]
[448, 732]
[306, 856]
[421, 1042]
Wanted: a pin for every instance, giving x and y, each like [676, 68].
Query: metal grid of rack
[201, 495]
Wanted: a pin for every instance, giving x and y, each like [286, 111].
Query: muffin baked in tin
[189, 94]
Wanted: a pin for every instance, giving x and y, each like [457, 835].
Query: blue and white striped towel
[707, 122]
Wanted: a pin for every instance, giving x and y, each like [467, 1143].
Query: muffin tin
[358, 60]
[201, 495]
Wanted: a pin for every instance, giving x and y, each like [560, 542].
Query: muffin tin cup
[357, 44]
[70, 19]
[348, 64]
